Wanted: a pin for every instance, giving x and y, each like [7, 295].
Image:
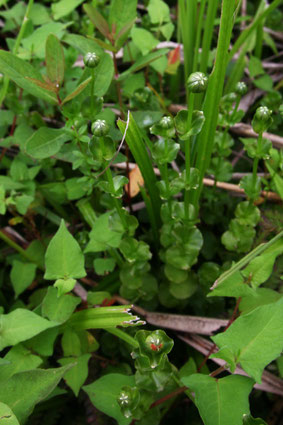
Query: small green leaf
[22, 275]
[77, 91]
[104, 265]
[64, 285]
[19, 359]
[20, 325]
[54, 58]
[102, 237]
[58, 309]
[76, 376]
[46, 142]
[104, 393]
[158, 11]
[228, 398]
[64, 7]
[64, 258]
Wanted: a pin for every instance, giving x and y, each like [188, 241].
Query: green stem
[188, 152]
[124, 336]
[19, 249]
[15, 49]
[213, 95]
[256, 161]
[92, 94]
[164, 174]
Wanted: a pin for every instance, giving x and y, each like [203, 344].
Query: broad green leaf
[46, 142]
[64, 258]
[64, 7]
[35, 43]
[220, 401]
[58, 309]
[260, 296]
[77, 91]
[7, 417]
[20, 325]
[76, 376]
[20, 359]
[255, 339]
[104, 392]
[54, 58]
[18, 70]
[22, 275]
[25, 389]
[101, 236]
[144, 40]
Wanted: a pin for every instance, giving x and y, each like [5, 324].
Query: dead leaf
[135, 181]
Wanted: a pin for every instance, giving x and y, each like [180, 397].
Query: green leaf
[122, 12]
[104, 265]
[144, 40]
[77, 91]
[185, 289]
[34, 44]
[58, 309]
[256, 338]
[104, 393]
[142, 62]
[259, 269]
[181, 120]
[277, 180]
[64, 258]
[249, 420]
[158, 11]
[101, 235]
[104, 71]
[20, 325]
[260, 296]
[54, 58]
[7, 417]
[19, 359]
[64, 7]
[64, 286]
[97, 297]
[22, 275]
[46, 142]
[25, 389]
[18, 70]
[220, 401]
[71, 343]
[232, 286]
[97, 19]
[76, 376]
[43, 343]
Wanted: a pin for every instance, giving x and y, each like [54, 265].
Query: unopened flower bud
[241, 88]
[262, 119]
[100, 128]
[166, 122]
[91, 60]
[197, 82]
